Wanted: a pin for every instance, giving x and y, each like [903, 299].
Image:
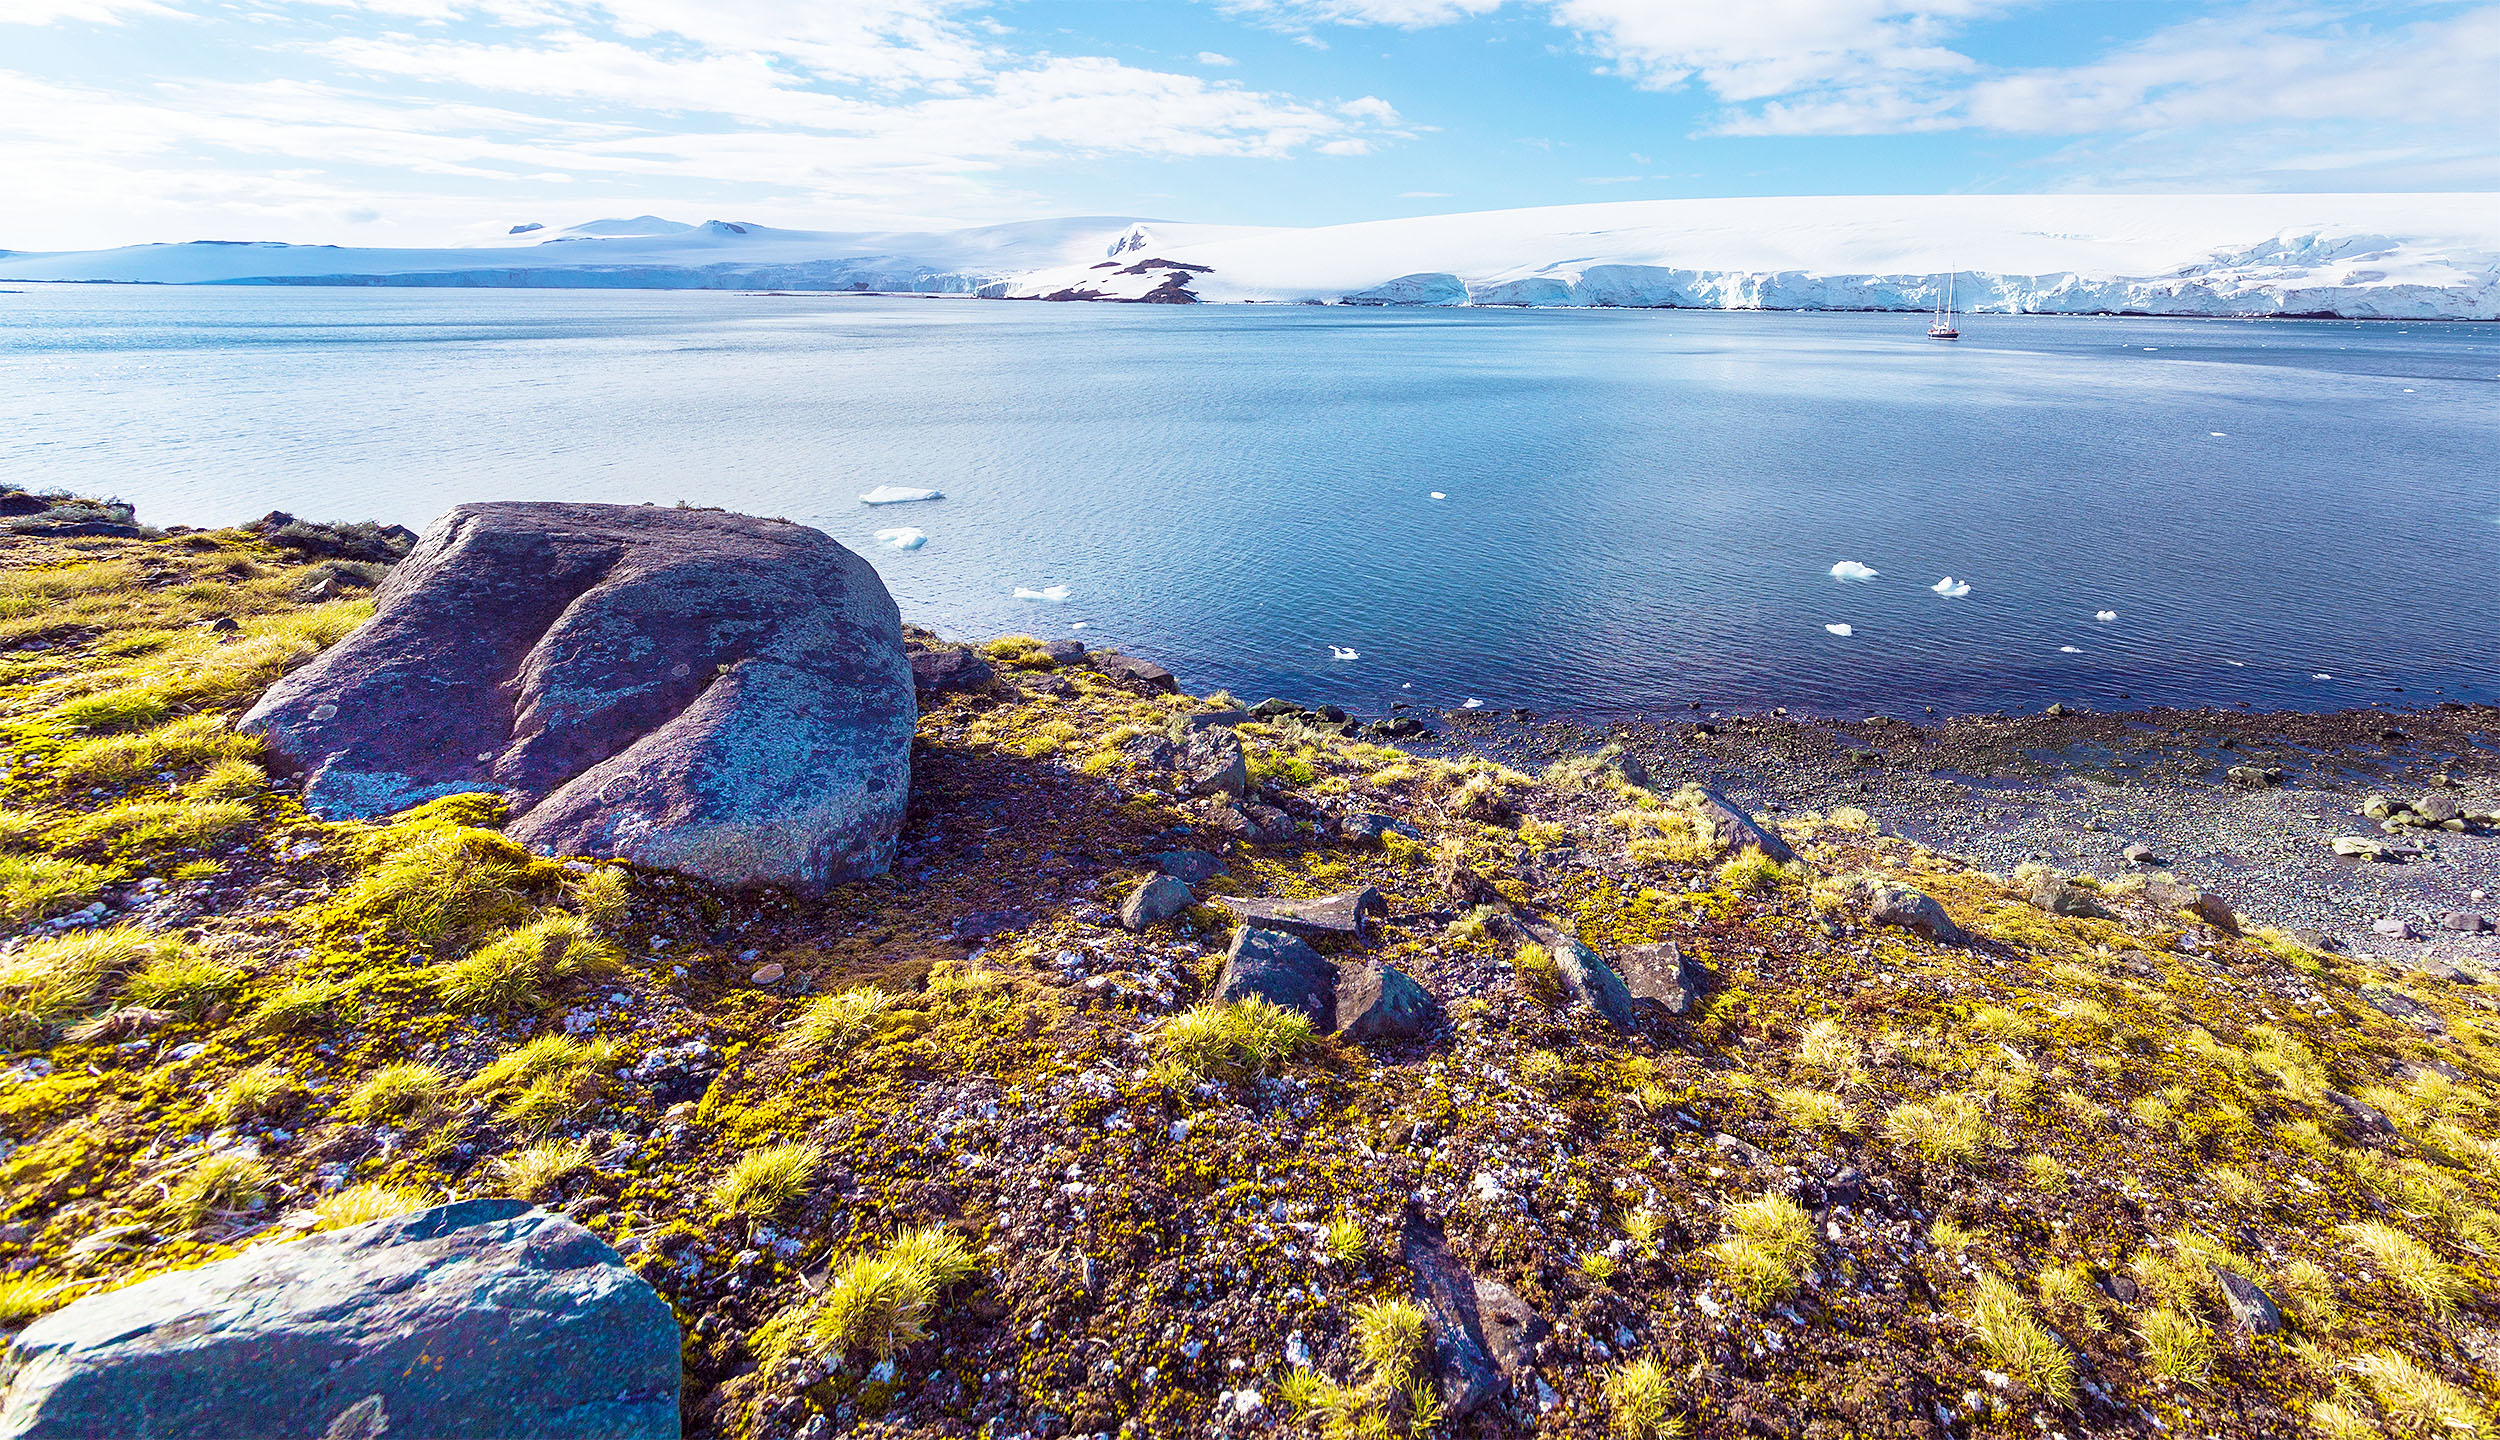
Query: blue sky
[438, 121]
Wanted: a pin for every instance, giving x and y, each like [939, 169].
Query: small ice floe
[898, 495]
[1437, 495]
[1340, 652]
[1852, 570]
[905, 538]
[2069, 649]
[2408, 389]
[2104, 616]
[2320, 675]
[1052, 593]
[1840, 630]
[1951, 588]
[2236, 664]
[1080, 624]
[1409, 685]
[1472, 704]
[2218, 435]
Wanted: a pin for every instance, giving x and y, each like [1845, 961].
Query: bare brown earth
[1870, 1184]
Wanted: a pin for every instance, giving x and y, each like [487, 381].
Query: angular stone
[1155, 752]
[1917, 912]
[2250, 1305]
[2141, 854]
[2395, 929]
[483, 1318]
[1214, 719]
[1281, 969]
[1064, 652]
[1343, 914]
[1661, 976]
[1144, 674]
[2169, 894]
[1155, 900]
[1213, 764]
[1588, 978]
[685, 689]
[2255, 777]
[2060, 896]
[2465, 922]
[1368, 829]
[1483, 1335]
[1257, 824]
[1381, 1002]
[949, 669]
[2361, 847]
[2403, 1007]
[1190, 867]
[1737, 830]
[2360, 1118]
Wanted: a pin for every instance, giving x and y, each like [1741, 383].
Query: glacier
[2363, 256]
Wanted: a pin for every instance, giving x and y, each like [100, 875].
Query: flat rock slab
[1737, 830]
[1282, 970]
[484, 1318]
[1483, 1334]
[1662, 976]
[686, 689]
[1917, 912]
[1190, 867]
[1343, 914]
[1143, 674]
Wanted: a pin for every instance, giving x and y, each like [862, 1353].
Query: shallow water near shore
[1643, 508]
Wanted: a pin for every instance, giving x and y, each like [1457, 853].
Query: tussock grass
[1661, 836]
[38, 887]
[2409, 1265]
[28, 1297]
[2014, 1341]
[876, 1303]
[834, 1025]
[1828, 1048]
[227, 780]
[520, 968]
[55, 979]
[183, 981]
[399, 1094]
[225, 1183]
[2177, 1347]
[605, 895]
[763, 1181]
[1773, 1240]
[435, 881]
[1640, 1401]
[1241, 1039]
[535, 1171]
[358, 1204]
[137, 828]
[300, 1006]
[182, 744]
[1815, 1110]
[2416, 1401]
[263, 1092]
[1949, 1128]
[1750, 872]
[1344, 1242]
[1389, 1334]
[1539, 973]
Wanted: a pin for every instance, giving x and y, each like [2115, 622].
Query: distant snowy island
[2375, 256]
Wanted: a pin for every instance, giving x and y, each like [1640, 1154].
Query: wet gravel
[2075, 790]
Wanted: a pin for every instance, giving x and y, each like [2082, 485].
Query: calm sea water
[1643, 508]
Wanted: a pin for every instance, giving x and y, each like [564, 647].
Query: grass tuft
[2409, 1265]
[263, 1092]
[401, 1094]
[1763, 1259]
[224, 1183]
[876, 1303]
[535, 1171]
[1241, 1039]
[1948, 1128]
[763, 1181]
[834, 1025]
[520, 968]
[2415, 1400]
[2177, 1347]
[1640, 1400]
[373, 1200]
[2014, 1340]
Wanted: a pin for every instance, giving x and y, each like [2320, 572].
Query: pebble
[767, 974]
[2395, 929]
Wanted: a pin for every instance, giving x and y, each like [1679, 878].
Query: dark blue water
[1643, 507]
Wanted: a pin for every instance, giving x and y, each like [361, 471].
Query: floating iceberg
[905, 538]
[1437, 495]
[1852, 570]
[1472, 704]
[2105, 616]
[2320, 675]
[898, 495]
[1340, 652]
[1052, 593]
[1951, 588]
[1840, 630]
[2069, 649]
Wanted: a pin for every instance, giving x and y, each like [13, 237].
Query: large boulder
[688, 689]
[1736, 830]
[485, 1318]
[1282, 970]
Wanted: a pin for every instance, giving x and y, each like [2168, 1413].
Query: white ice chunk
[2320, 675]
[1081, 624]
[1951, 588]
[2236, 664]
[1052, 593]
[1437, 495]
[898, 495]
[2069, 649]
[1852, 570]
[1840, 630]
[905, 538]
[2218, 435]
[2105, 616]
[1340, 652]
[1472, 704]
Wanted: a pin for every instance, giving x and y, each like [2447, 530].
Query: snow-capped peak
[1137, 237]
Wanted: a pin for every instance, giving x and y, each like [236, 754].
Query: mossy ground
[2096, 1112]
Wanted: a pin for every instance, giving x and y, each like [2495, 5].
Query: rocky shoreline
[1199, 1069]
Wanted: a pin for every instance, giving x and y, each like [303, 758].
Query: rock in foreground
[687, 689]
[481, 1318]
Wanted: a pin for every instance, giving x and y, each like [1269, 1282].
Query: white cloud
[1209, 57]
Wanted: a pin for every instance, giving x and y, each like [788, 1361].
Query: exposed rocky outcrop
[483, 1319]
[686, 689]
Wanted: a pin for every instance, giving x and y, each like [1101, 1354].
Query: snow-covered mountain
[2363, 256]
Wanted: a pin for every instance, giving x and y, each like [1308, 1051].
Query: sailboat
[1943, 329]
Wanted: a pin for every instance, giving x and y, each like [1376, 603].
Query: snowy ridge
[2434, 256]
